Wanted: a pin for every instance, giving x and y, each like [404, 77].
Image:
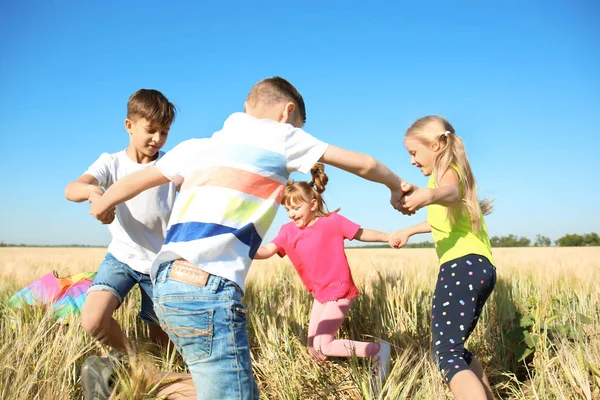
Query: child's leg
[97, 320]
[112, 283]
[330, 319]
[147, 314]
[477, 369]
[181, 386]
[462, 289]
[315, 317]
[207, 324]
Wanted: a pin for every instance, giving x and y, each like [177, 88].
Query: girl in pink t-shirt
[314, 243]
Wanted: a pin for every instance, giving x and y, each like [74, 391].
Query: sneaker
[98, 378]
[382, 359]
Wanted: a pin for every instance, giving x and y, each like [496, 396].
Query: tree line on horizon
[568, 240]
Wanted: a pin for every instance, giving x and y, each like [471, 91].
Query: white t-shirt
[232, 186]
[138, 230]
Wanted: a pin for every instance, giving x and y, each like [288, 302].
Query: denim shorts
[208, 327]
[119, 278]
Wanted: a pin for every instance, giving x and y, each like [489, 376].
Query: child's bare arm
[127, 188]
[82, 188]
[446, 194]
[399, 238]
[265, 252]
[368, 168]
[368, 235]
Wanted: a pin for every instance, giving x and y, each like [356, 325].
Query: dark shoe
[98, 378]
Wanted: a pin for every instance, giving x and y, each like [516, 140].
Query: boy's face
[146, 137]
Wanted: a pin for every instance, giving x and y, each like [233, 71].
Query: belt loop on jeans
[186, 272]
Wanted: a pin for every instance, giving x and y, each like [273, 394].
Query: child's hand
[96, 210]
[398, 239]
[398, 195]
[416, 200]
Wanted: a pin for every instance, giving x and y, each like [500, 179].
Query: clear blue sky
[520, 82]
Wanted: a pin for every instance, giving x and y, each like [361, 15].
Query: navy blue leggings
[462, 288]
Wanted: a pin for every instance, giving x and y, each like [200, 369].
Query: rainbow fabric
[65, 295]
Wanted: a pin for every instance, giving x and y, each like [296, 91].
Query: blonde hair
[305, 192]
[433, 128]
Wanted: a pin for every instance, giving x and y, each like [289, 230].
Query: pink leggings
[325, 320]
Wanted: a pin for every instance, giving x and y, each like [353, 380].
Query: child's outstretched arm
[399, 238]
[82, 188]
[368, 235]
[127, 188]
[265, 252]
[446, 194]
[368, 168]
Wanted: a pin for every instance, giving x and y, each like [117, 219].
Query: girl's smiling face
[421, 155]
[303, 214]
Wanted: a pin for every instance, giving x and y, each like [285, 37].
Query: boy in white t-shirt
[139, 225]
[231, 188]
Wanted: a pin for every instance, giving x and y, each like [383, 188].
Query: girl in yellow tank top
[467, 275]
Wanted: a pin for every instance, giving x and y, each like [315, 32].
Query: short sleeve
[281, 242]
[347, 227]
[100, 170]
[177, 163]
[302, 150]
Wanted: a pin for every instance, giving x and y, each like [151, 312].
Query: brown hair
[277, 90]
[304, 192]
[431, 128]
[151, 105]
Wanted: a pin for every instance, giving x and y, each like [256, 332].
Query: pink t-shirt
[317, 253]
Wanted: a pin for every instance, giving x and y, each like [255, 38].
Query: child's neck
[138, 157]
[312, 222]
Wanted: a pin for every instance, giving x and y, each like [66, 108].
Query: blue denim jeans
[208, 327]
[119, 278]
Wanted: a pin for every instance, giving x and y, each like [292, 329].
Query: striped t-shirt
[232, 186]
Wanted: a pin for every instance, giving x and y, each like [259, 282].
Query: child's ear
[288, 114]
[435, 145]
[128, 125]
[313, 205]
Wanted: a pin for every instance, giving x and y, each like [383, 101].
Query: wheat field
[538, 337]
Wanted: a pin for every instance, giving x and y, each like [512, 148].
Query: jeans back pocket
[190, 331]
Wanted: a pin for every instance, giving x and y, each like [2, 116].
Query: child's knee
[93, 323]
[450, 361]
[322, 344]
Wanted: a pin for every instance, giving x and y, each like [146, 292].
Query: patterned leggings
[462, 288]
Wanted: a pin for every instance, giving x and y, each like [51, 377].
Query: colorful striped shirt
[232, 186]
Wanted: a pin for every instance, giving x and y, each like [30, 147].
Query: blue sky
[519, 82]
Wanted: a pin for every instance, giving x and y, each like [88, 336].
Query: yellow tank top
[456, 240]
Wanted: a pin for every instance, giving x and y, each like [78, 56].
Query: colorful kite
[65, 295]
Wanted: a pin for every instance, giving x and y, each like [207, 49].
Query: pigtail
[319, 178]
[302, 191]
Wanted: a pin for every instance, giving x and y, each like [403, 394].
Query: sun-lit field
[539, 335]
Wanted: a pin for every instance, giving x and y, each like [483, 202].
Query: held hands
[398, 239]
[96, 209]
[415, 200]
[398, 196]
